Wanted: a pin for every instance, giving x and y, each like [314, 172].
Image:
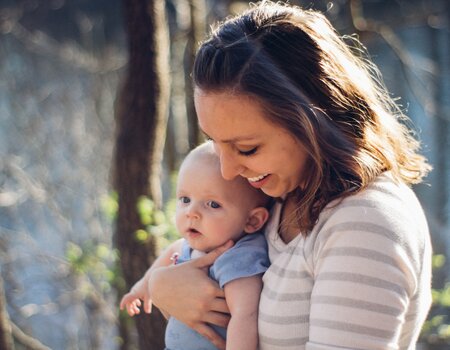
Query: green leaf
[436, 296]
[444, 331]
[437, 320]
[159, 217]
[73, 252]
[145, 208]
[141, 236]
[103, 251]
[438, 261]
[110, 205]
[146, 218]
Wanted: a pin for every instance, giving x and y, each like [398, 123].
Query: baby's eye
[184, 199]
[249, 152]
[213, 204]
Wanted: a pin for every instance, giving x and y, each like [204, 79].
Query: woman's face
[249, 145]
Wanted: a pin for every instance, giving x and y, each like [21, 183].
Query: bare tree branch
[26, 340]
[409, 65]
[6, 342]
[69, 53]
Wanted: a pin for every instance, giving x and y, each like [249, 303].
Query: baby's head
[210, 210]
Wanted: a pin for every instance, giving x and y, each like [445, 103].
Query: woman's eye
[249, 152]
[207, 138]
[213, 204]
[184, 199]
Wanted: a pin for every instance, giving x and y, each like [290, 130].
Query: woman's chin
[278, 191]
[272, 193]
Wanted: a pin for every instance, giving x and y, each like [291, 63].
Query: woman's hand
[186, 292]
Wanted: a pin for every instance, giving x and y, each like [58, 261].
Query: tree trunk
[195, 35]
[441, 121]
[141, 124]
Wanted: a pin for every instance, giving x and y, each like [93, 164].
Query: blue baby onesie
[248, 257]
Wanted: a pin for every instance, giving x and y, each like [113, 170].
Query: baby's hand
[132, 303]
[132, 300]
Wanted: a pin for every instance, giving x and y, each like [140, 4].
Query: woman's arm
[243, 299]
[188, 294]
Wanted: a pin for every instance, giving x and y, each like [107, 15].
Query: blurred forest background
[96, 113]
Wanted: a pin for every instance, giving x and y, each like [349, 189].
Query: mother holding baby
[297, 112]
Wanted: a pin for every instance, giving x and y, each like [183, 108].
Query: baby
[211, 211]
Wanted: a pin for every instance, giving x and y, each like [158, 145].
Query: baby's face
[210, 210]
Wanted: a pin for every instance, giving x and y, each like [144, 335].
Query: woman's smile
[259, 181]
[257, 178]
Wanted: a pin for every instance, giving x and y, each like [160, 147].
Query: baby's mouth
[193, 231]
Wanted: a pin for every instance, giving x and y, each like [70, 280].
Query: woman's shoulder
[375, 231]
[385, 201]
[386, 217]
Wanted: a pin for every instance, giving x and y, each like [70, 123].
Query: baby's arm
[132, 300]
[242, 297]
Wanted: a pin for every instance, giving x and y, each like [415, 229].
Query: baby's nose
[193, 212]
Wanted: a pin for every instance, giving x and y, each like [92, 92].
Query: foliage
[110, 206]
[96, 261]
[96, 264]
[158, 224]
[436, 329]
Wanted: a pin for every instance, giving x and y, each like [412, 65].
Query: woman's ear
[256, 219]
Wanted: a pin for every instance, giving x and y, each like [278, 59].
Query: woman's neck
[288, 227]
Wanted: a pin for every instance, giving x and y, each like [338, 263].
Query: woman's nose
[229, 166]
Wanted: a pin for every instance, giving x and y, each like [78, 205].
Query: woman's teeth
[257, 178]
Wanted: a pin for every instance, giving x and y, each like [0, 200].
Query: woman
[293, 109]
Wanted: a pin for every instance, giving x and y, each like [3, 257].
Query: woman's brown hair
[320, 89]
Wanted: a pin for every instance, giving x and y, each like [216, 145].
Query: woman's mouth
[257, 178]
[258, 181]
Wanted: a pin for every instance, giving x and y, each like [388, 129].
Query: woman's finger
[220, 305]
[211, 335]
[148, 305]
[191, 303]
[208, 259]
[218, 319]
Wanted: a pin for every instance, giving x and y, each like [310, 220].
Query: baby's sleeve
[248, 257]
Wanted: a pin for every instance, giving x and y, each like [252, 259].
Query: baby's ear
[256, 219]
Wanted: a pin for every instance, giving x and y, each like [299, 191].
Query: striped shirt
[360, 280]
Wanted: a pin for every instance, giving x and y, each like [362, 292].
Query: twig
[28, 341]
[70, 53]
[364, 24]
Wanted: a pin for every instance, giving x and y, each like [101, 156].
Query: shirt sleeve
[248, 257]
